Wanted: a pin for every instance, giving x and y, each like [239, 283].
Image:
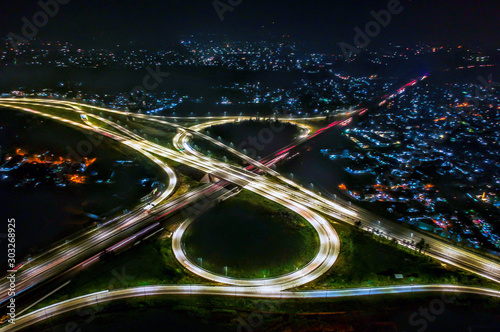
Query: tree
[426, 247]
[421, 245]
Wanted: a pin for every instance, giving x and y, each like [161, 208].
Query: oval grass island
[250, 237]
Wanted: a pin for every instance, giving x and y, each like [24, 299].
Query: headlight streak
[262, 292]
[289, 194]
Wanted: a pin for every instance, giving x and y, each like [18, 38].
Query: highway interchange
[258, 177]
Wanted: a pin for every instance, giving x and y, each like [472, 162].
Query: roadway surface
[141, 292]
[258, 178]
[329, 240]
[339, 210]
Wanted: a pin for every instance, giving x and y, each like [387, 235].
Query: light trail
[308, 204]
[56, 309]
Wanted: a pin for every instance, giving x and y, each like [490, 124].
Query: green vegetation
[216, 152]
[313, 125]
[367, 260]
[259, 202]
[185, 184]
[228, 314]
[237, 135]
[152, 131]
[102, 125]
[253, 236]
[150, 263]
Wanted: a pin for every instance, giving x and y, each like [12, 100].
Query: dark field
[252, 236]
[38, 211]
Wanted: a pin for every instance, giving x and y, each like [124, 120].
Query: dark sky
[321, 23]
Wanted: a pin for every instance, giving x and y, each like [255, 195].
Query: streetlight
[291, 174]
[201, 261]
[225, 269]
